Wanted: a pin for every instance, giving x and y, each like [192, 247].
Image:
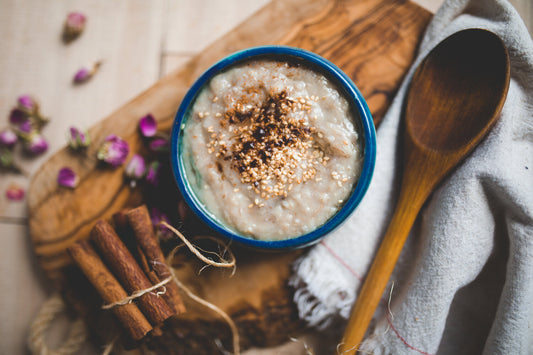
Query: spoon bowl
[455, 98]
[465, 78]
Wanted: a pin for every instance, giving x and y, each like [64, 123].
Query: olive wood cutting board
[373, 41]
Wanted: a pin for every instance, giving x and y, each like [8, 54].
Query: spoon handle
[368, 299]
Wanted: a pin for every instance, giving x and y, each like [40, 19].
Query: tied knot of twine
[139, 293]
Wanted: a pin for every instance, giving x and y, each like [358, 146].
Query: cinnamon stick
[143, 230]
[128, 272]
[131, 318]
[126, 233]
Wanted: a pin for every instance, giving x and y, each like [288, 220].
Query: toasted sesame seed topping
[270, 145]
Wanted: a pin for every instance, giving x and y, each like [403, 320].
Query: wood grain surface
[373, 41]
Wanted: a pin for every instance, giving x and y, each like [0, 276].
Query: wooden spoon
[455, 98]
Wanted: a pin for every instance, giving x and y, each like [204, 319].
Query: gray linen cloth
[464, 281]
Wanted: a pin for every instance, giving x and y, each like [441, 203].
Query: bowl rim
[333, 73]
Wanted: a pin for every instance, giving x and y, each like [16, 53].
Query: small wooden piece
[128, 272]
[109, 289]
[455, 98]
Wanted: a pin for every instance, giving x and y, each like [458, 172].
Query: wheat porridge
[271, 149]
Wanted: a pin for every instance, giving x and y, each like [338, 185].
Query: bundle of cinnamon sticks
[122, 279]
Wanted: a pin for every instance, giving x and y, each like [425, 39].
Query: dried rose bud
[35, 143]
[152, 176]
[25, 120]
[27, 104]
[157, 217]
[15, 192]
[17, 117]
[8, 138]
[148, 126]
[159, 145]
[67, 178]
[21, 122]
[25, 128]
[135, 169]
[113, 151]
[84, 74]
[74, 26]
[78, 139]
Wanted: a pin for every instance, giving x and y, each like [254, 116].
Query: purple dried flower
[113, 151]
[84, 74]
[25, 120]
[157, 217]
[15, 192]
[78, 139]
[74, 26]
[148, 126]
[152, 176]
[17, 117]
[27, 104]
[35, 143]
[8, 138]
[67, 178]
[159, 145]
[25, 127]
[135, 169]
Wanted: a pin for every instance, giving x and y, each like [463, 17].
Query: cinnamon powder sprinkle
[272, 146]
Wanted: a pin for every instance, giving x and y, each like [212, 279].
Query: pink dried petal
[152, 176]
[74, 26]
[36, 144]
[148, 126]
[76, 20]
[67, 178]
[15, 192]
[136, 167]
[8, 138]
[159, 145]
[84, 74]
[113, 151]
[27, 103]
[78, 139]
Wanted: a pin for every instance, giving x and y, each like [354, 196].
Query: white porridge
[271, 149]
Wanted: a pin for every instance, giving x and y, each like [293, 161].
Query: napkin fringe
[328, 310]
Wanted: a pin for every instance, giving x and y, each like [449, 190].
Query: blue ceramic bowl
[332, 73]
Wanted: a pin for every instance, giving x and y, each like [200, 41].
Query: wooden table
[139, 41]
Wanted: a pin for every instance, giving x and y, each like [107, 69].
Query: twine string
[225, 263]
[48, 312]
[139, 293]
[307, 348]
[229, 263]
